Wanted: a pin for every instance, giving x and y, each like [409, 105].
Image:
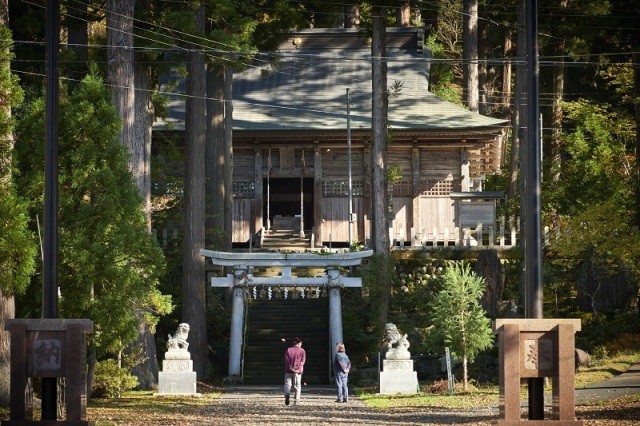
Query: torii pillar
[242, 278]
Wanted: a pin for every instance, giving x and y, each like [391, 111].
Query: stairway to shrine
[285, 234]
[288, 239]
[271, 326]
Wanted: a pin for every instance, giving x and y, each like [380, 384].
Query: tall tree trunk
[145, 345]
[7, 303]
[470, 53]
[517, 147]
[91, 368]
[228, 157]
[78, 41]
[506, 69]
[7, 312]
[558, 94]
[484, 89]
[351, 15]
[403, 15]
[193, 307]
[143, 121]
[120, 75]
[214, 154]
[380, 208]
[517, 107]
[636, 85]
[379, 136]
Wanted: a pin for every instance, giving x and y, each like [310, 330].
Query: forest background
[112, 56]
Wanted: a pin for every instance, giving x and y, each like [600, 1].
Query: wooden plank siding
[420, 197]
[242, 216]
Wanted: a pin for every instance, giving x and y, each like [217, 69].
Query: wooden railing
[506, 235]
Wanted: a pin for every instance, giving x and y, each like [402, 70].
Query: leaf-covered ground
[265, 406]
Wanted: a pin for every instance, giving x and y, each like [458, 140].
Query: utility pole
[533, 234]
[50, 262]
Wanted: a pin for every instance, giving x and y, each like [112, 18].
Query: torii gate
[242, 277]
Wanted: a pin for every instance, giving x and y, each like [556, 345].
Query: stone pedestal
[177, 376]
[537, 348]
[397, 376]
[48, 348]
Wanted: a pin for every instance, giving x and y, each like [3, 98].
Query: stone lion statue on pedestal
[397, 343]
[179, 339]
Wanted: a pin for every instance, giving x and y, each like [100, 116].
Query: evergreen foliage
[109, 265]
[459, 320]
[17, 244]
[111, 380]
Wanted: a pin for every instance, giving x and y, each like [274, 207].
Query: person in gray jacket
[341, 367]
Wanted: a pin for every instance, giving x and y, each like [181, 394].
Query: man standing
[294, 358]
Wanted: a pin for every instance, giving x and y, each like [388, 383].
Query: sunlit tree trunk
[228, 157]
[215, 154]
[120, 75]
[193, 292]
[470, 53]
[7, 312]
[379, 135]
[7, 303]
[558, 94]
[351, 15]
[506, 70]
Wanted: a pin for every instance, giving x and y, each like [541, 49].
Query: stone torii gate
[242, 278]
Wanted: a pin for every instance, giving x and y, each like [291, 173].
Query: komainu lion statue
[179, 339]
[393, 337]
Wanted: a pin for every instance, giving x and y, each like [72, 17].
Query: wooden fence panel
[242, 217]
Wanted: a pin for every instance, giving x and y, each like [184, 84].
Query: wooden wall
[420, 198]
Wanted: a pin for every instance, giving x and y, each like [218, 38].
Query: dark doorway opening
[283, 198]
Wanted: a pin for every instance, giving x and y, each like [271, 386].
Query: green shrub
[111, 381]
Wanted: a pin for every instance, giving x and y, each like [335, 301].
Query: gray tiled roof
[303, 87]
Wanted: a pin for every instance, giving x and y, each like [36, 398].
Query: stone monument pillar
[48, 348]
[397, 375]
[177, 376]
[536, 348]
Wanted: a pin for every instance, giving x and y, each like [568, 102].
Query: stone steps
[271, 326]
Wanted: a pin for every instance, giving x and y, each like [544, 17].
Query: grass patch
[476, 397]
[488, 395]
[601, 370]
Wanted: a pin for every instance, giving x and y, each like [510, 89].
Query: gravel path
[264, 405]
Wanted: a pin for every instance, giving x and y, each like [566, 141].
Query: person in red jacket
[294, 359]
